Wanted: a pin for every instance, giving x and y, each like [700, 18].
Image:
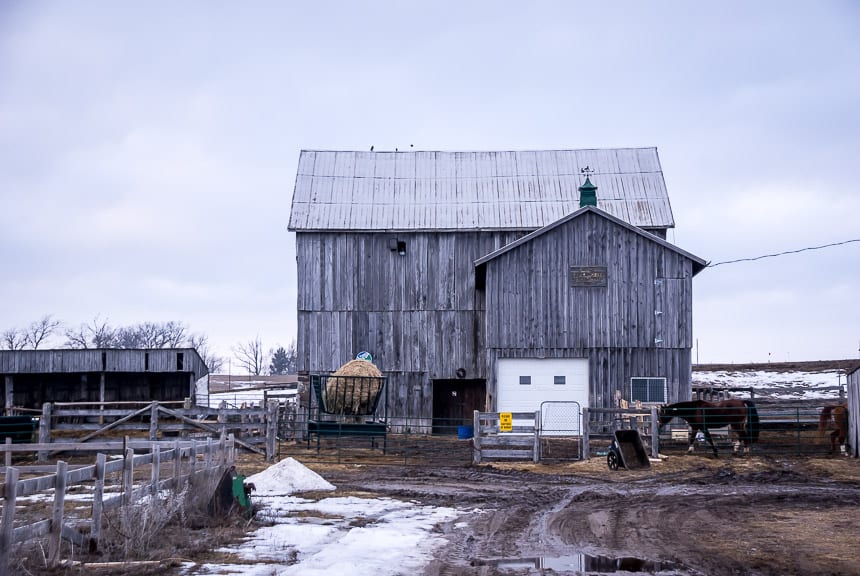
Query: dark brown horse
[740, 416]
[836, 417]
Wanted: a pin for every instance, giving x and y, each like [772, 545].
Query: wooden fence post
[586, 451]
[156, 469]
[153, 422]
[536, 455]
[44, 430]
[193, 457]
[98, 499]
[271, 429]
[56, 532]
[209, 452]
[177, 467]
[655, 433]
[7, 528]
[476, 437]
[127, 476]
[231, 450]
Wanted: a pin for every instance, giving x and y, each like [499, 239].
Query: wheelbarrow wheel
[612, 460]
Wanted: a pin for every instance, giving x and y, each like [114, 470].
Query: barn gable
[601, 298]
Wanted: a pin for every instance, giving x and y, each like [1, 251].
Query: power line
[784, 253]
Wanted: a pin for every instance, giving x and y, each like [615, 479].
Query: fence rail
[185, 456]
[251, 426]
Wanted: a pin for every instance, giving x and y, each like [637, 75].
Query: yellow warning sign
[506, 421]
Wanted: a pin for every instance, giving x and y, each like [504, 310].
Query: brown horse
[837, 417]
[740, 415]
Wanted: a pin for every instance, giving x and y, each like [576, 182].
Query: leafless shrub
[135, 530]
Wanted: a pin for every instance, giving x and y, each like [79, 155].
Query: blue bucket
[465, 432]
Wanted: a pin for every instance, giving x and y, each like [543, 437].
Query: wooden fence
[250, 426]
[185, 456]
[490, 442]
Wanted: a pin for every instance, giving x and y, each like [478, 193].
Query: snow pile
[286, 477]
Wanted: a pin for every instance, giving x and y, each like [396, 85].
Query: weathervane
[587, 171]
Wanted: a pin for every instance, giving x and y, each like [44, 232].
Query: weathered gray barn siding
[32, 377]
[414, 313]
[853, 380]
[639, 324]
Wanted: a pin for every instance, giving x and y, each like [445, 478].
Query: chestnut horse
[740, 416]
[837, 417]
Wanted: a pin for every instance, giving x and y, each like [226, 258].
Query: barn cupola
[587, 194]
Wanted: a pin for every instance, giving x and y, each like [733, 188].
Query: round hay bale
[353, 388]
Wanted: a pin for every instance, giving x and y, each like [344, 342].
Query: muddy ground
[685, 515]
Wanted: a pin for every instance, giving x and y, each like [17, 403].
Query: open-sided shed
[33, 377]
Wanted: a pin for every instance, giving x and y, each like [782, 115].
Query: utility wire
[784, 253]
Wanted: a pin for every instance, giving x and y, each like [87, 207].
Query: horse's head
[665, 415]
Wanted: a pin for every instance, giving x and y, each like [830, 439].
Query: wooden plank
[518, 454]
[56, 532]
[98, 498]
[10, 492]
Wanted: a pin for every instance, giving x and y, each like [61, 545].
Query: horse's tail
[824, 419]
[753, 426]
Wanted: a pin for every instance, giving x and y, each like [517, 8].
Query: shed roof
[698, 263]
[514, 190]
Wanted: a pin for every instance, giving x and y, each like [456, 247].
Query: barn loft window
[525, 380]
[558, 380]
[146, 360]
[180, 360]
[398, 246]
[651, 390]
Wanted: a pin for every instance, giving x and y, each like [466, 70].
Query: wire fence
[424, 441]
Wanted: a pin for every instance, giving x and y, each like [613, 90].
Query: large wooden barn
[33, 377]
[494, 280]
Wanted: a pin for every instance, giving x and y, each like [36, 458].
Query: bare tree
[200, 342]
[41, 330]
[250, 356]
[14, 339]
[97, 333]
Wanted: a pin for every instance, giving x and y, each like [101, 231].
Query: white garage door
[526, 382]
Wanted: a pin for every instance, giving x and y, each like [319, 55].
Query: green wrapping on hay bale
[355, 393]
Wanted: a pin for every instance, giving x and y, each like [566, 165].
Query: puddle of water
[585, 563]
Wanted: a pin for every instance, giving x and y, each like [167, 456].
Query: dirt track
[687, 515]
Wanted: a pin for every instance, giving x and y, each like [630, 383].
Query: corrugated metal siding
[343, 190]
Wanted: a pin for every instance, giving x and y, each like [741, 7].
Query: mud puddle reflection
[586, 563]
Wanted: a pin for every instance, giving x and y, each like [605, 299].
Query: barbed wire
[784, 253]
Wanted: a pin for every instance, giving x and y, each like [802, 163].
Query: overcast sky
[148, 150]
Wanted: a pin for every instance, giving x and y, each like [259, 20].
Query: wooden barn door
[454, 401]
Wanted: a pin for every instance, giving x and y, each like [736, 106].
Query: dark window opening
[104, 361]
[525, 380]
[559, 380]
[146, 360]
[180, 360]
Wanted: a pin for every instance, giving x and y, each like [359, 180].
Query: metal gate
[561, 430]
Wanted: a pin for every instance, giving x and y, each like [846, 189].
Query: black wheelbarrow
[627, 451]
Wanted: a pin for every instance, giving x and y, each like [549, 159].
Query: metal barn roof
[524, 190]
